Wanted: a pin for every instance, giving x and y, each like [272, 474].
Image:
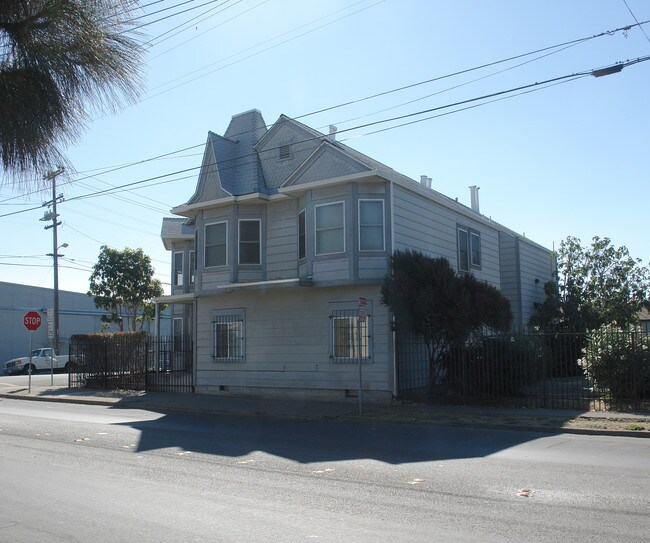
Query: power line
[205, 31]
[258, 52]
[359, 100]
[539, 85]
[172, 14]
[637, 21]
[192, 20]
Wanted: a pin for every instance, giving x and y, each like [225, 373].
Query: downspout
[156, 341]
[392, 250]
[195, 358]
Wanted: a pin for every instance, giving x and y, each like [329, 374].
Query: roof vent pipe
[473, 191]
[332, 134]
[426, 181]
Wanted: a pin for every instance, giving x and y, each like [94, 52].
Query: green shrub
[495, 366]
[617, 361]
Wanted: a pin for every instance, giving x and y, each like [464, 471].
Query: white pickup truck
[42, 359]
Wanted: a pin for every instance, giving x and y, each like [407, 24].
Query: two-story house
[287, 230]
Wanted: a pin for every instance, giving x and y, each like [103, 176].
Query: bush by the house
[495, 366]
[617, 361]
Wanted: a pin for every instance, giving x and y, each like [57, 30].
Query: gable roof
[230, 164]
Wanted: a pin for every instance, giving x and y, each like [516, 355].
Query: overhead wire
[204, 32]
[637, 20]
[539, 85]
[111, 169]
[257, 52]
[194, 21]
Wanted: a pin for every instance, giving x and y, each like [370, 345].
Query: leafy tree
[56, 58]
[618, 361]
[432, 301]
[122, 282]
[596, 285]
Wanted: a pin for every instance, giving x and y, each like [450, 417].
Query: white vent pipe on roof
[426, 181]
[473, 191]
[332, 134]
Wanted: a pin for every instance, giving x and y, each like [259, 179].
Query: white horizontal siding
[287, 341]
[536, 270]
[372, 268]
[332, 270]
[428, 227]
[282, 240]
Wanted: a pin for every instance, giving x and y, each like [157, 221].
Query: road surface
[98, 474]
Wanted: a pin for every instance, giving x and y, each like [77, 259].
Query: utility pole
[53, 216]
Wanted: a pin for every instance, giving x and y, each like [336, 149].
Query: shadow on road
[308, 441]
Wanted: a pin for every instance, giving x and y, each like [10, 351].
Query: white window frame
[342, 227]
[192, 266]
[205, 245]
[259, 242]
[302, 239]
[383, 226]
[234, 323]
[342, 313]
[472, 236]
[177, 273]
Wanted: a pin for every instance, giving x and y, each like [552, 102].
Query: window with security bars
[350, 336]
[228, 338]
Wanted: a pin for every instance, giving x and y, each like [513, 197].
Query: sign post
[50, 335]
[32, 321]
[363, 312]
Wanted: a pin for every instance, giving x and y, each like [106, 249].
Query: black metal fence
[132, 362]
[600, 370]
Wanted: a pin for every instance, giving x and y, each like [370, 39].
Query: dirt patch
[447, 418]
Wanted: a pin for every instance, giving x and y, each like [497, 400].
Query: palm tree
[60, 59]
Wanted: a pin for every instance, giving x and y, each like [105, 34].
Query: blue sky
[566, 159]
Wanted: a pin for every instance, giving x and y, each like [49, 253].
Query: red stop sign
[32, 320]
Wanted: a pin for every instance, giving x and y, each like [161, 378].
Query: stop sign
[32, 320]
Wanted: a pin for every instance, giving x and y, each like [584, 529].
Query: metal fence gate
[132, 362]
[598, 370]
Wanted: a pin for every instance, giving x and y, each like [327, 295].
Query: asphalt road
[95, 474]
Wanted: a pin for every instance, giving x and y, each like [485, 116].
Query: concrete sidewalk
[546, 420]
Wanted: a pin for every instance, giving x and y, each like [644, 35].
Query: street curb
[139, 404]
[86, 401]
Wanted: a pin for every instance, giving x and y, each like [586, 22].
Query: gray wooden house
[287, 230]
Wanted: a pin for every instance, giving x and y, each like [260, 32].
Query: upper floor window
[192, 266]
[249, 241]
[178, 269]
[469, 249]
[302, 240]
[371, 225]
[330, 228]
[216, 236]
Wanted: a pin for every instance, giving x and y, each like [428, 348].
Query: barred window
[228, 337]
[350, 336]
